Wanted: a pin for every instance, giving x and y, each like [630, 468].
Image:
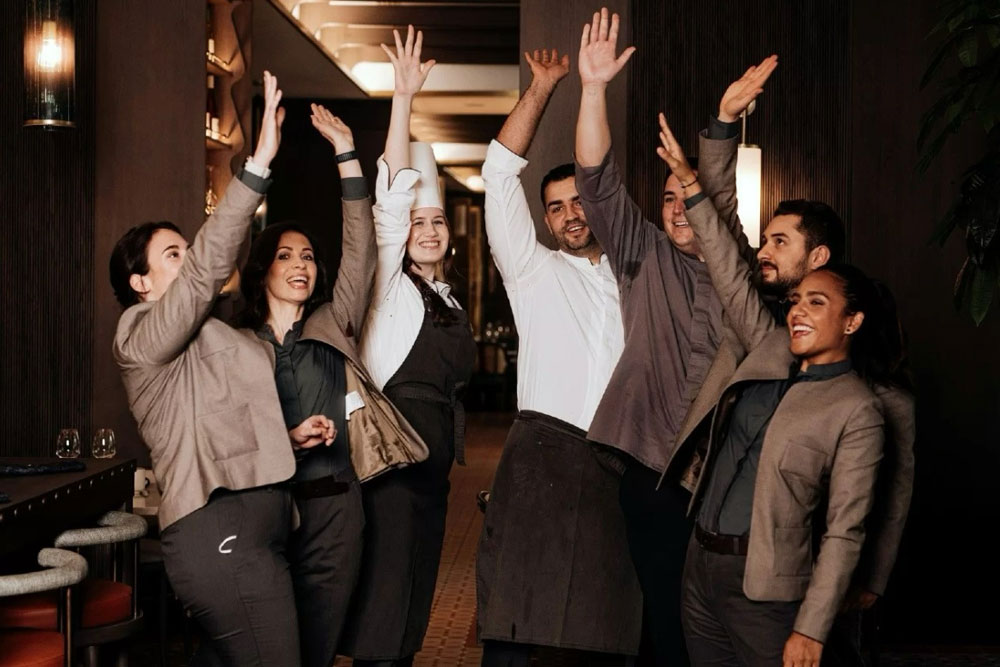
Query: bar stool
[111, 610]
[21, 647]
[108, 610]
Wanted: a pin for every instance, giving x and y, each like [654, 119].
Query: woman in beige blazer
[792, 456]
[326, 394]
[207, 408]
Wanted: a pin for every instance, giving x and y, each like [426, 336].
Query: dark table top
[42, 506]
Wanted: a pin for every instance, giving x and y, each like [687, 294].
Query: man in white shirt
[553, 566]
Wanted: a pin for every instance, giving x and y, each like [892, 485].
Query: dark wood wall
[150, 159]
[838, 122]
[46, 252]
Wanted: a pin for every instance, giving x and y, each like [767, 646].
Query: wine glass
[68, 444]
[103, 444]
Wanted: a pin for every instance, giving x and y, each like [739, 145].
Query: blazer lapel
[768, 361]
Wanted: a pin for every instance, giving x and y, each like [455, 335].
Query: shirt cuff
[718, 130]
[354, 187]
[253, 181]
[502, 160]
[598, 182]
[256, 169]
[694, 200]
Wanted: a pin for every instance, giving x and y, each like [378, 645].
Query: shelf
[214, 65]
[217, 144]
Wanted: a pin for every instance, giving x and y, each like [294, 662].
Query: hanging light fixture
[748, 168]
[49, 63]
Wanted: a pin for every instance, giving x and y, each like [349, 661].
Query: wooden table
[42, 506]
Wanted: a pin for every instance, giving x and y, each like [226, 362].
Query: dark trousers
[401, 662]
[843, 644]
[722, 626]
[657, 528]
[226, 564]
[324, 554]
[510, 654]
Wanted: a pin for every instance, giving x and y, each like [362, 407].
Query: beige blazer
[380, 437]
[203, 396]
[821, 450]
[717, 174]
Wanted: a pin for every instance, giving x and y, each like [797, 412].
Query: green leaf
[981, 289]
[968, 50]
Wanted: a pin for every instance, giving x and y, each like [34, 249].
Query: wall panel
[46, 253]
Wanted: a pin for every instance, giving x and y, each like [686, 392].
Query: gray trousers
[723, 627]
[226, 563]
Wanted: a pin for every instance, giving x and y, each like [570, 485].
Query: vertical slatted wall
[46, 252]
[688, 52]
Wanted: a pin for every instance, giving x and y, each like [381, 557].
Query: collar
[582, 262]
[291, 336]
[825, 371]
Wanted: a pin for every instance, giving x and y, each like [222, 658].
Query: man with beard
[673, 330]
[552, 566]
[802, 236]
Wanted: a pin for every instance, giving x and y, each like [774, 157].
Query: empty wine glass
[68, 444]
[103, 444]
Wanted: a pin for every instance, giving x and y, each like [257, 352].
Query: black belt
[729, 545]
[318, 488]
[431, 395]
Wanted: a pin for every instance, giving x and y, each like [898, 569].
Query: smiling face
[818, 322]
[566, 220]
[292, 275]
[429, 236]
[164, 254]
[674, 216]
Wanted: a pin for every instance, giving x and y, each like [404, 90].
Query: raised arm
[618, 224]
[163, 331]
[509, 227]
[730, 272]
[410, 75]
[352, 291]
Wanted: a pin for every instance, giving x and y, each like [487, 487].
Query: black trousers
[722, 626]
[324, 554]
[226, 563]
[657, 528]
[510, 654]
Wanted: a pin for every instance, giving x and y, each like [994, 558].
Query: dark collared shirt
[311, 380]
[728, 499]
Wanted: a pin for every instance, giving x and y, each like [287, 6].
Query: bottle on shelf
[211, 111]
[210, 33]
[211, 199]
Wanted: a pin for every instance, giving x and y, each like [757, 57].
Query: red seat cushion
[31, 648]
[104, 602]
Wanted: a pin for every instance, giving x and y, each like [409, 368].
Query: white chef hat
[428, 190]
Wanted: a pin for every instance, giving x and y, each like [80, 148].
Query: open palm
[410, 72]
[598, 62]
[547, 67]
[745, 90]
[332, 128]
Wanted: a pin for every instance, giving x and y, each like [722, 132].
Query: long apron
[405, 509]
[553, 567]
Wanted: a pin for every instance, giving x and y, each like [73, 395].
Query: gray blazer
[822, 448]
[717, 174]
[203, 395]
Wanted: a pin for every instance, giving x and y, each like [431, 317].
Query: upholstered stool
[47, 647]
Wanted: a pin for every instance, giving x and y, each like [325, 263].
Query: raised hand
[332, 128]
[598, 64]
[547, 68]
[270, 124]
[745, 90]
[671, 152]
[410, 72]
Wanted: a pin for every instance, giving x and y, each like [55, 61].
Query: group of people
[712, 459]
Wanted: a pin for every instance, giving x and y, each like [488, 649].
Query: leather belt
[318, 488]
[729, 545]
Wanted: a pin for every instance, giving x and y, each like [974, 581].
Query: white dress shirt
[566, 309]
[397, 310]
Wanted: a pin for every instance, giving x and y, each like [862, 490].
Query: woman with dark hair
[218, 444]
[792, 456]
[318, 371]
[419, 348]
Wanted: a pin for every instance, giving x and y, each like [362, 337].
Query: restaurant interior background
[838, 122]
